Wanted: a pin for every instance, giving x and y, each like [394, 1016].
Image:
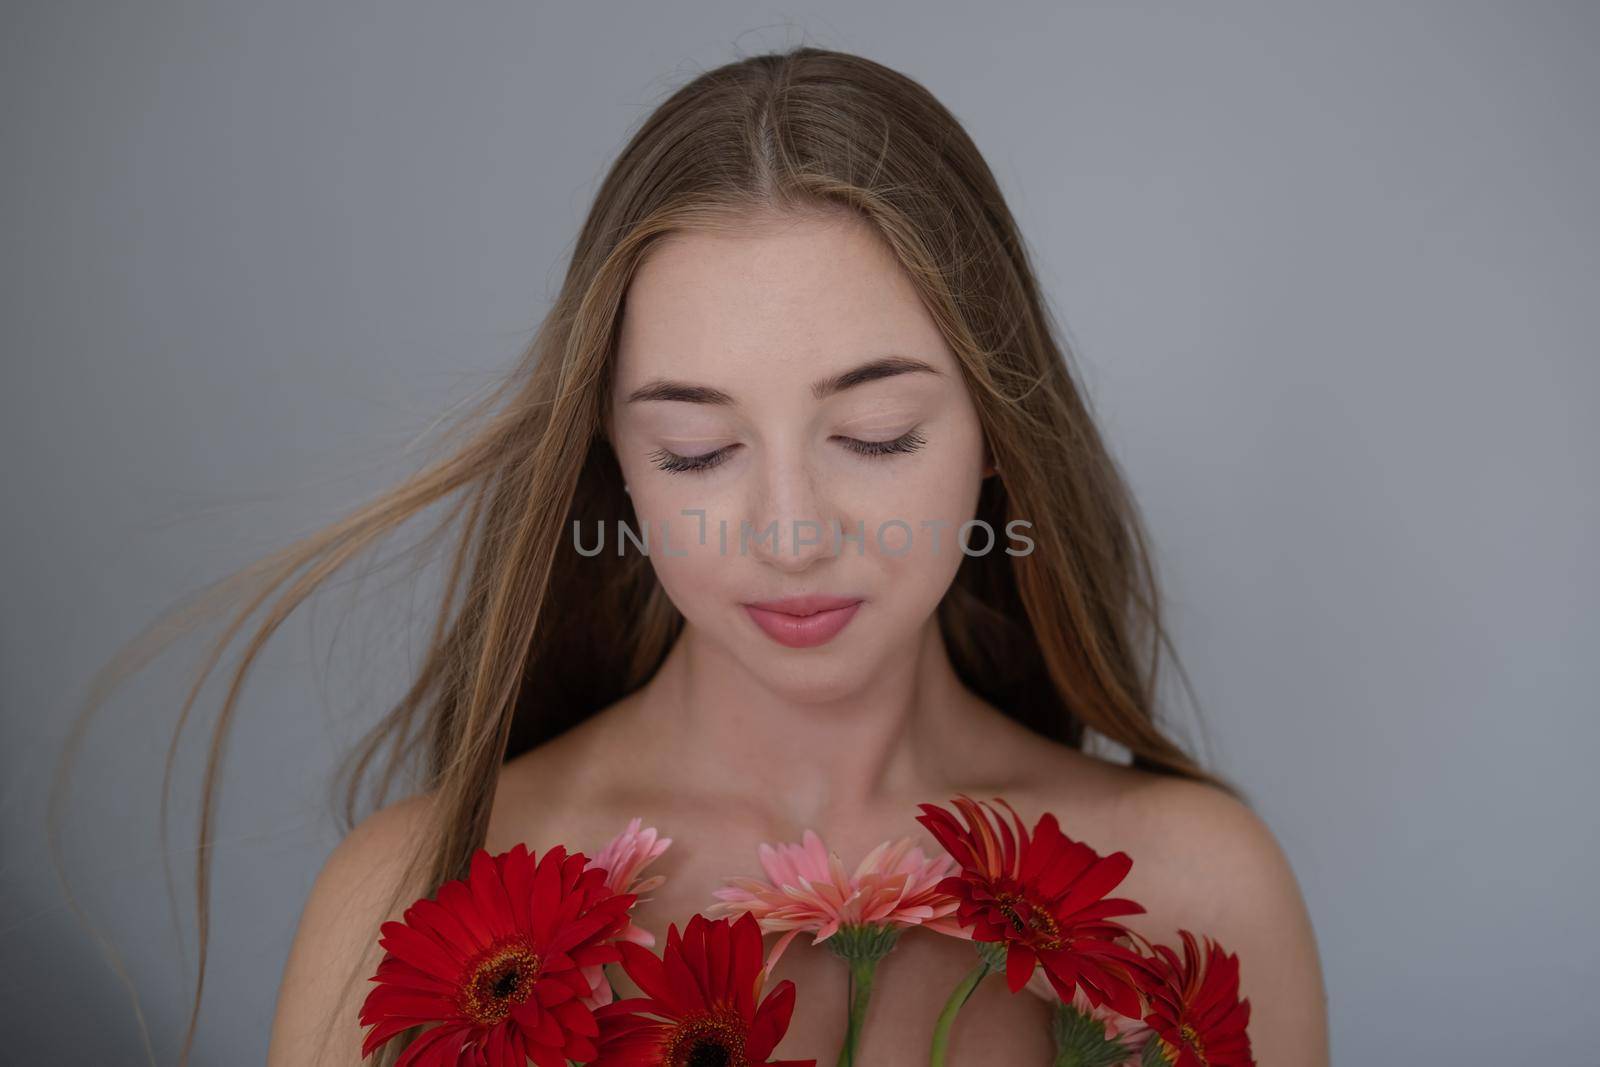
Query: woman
[799, 304]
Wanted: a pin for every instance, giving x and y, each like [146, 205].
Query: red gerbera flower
[496, 961]
[1044, 895]
[1195, 1008]
[704, 989]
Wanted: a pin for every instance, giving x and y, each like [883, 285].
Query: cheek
[689, 571]
[925, 501]
[690, 581]
[911, 522]
[912, 530]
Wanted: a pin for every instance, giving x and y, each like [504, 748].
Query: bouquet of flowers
[507, 967]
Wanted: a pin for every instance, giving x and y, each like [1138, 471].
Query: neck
[817, 759]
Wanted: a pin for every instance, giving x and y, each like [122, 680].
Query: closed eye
[909, 441]
[672, 462]
[676, 464]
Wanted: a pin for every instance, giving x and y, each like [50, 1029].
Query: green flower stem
[947, 1018]
[861, 946]
[861, 972]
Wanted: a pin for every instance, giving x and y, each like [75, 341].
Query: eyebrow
[871, 371]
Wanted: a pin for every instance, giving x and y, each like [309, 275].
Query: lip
[803, 621]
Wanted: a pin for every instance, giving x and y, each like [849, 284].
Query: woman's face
[789, 383]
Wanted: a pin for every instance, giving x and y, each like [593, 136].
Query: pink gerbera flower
[808, 889]
[622, 861]
[624, 858]
[860, 915]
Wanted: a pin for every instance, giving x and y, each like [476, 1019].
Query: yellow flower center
[713, 1040]
[1039, 928]
[1192, 1039]
[504, 976]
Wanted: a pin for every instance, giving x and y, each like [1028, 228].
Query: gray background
[1330, 271]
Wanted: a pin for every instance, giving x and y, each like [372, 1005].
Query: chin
[802, 684]
[844, 666]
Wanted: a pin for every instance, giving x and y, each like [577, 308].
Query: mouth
[803, 621]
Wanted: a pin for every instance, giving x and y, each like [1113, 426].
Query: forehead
[784, 299]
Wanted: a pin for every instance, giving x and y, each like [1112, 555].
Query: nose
[789, 521]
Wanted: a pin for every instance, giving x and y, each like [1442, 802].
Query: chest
[911, 985]
[910, 989]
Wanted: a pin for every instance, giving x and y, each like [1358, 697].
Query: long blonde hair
[1067, 639]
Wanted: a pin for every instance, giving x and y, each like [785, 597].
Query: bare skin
[1225, 877]
[739, 740]
[1202, 861]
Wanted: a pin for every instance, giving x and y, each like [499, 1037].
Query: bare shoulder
[1224, 847]
[1206, 862]
[362, 883]
[1211, 860]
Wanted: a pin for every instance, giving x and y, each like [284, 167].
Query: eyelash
[907, 442]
